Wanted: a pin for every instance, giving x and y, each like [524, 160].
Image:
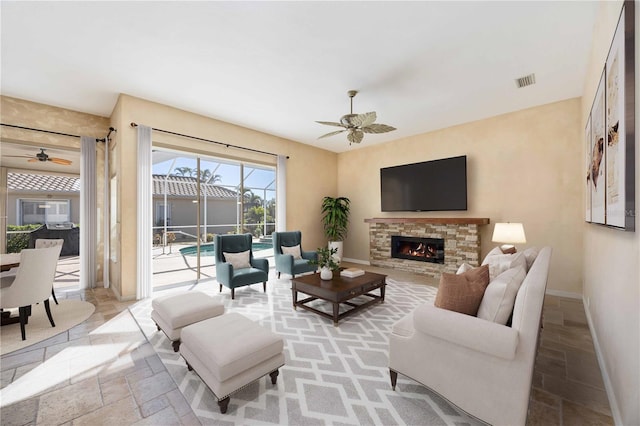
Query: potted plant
[326, 262]
[335, 219]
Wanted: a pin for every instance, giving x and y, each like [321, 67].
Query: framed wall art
[610, 133]
[597, 155]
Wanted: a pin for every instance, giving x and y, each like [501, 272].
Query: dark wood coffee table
[336, 291]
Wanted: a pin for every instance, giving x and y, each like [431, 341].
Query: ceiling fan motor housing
[347, 120]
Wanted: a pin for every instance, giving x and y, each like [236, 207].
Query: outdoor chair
[289, 256]
[235, 264]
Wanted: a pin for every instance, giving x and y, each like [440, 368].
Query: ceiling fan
[357, 124]
[43, 156]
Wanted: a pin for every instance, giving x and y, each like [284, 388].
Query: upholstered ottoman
[229, 352]
[173, 312]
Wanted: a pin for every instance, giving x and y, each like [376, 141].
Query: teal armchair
[286, 262]
[252, 272]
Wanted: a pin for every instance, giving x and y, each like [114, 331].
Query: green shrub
[17, 242]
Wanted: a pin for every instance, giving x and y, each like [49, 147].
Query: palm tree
[185, 171]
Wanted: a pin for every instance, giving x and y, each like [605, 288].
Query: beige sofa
[482, 367]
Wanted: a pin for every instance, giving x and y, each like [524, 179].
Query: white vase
[326, 273]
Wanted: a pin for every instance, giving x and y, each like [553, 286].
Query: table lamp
[508, 234]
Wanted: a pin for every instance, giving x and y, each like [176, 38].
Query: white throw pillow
[494, 251]
[500, 295]
[498, 263]
[463, 268]
[238, 260]
[530, 255]
[293, 250]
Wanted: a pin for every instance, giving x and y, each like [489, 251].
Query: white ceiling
[278, 66]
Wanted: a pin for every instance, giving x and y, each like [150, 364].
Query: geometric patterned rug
[332, 375]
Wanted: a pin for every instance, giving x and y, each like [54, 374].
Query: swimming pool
[207, 249]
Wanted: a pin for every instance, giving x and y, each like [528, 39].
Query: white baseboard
[361, 262]
[615, 410]
[562, 293]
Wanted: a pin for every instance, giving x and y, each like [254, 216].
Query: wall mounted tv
[428, 186]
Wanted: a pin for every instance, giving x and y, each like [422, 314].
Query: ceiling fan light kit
[356, 124]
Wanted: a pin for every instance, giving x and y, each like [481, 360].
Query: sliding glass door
[197, 197]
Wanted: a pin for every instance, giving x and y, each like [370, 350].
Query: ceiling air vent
[525, 81]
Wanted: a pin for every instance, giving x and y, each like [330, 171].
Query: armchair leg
[278, 275]
[394, 378]
[48, 309]
[53, 293]
[233, 293]
[264, 286]
[220, 288]
[23, 320]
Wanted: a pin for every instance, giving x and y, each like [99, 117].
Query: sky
[229, 172]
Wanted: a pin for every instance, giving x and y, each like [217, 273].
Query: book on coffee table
[351, 272]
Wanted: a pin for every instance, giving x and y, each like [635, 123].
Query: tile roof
[185, 186]
[42, 183]
[177, 186]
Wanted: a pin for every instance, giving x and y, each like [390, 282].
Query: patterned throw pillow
[462, 292]
[293, 250]
[238, 260]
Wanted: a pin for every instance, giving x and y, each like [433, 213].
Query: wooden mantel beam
[433, 220]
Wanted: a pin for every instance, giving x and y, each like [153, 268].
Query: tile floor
[103, 371]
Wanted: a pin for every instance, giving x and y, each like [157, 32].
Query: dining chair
[32, 283]
[50, 242]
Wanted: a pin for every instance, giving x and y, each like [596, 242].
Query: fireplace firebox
[418, 248]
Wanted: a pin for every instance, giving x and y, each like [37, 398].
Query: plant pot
[337, 244]
[326, 273]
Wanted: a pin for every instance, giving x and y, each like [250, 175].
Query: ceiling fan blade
[330, 123]
[363, 120]
[378, 128]
[331, 134]
[60, 161]
[32, 160]
[355, 136]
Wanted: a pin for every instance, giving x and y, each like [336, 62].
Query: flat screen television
[428, 186]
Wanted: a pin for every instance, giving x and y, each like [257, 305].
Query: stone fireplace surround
[462, 242]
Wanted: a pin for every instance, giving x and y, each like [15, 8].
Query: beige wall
[13, 197]
[612, 257]
[521, 167]
[45, 117]
[311, 172]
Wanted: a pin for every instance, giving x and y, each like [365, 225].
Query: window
[44, 211]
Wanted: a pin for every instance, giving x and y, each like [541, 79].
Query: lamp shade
[509, 233]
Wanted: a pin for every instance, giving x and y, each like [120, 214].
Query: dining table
[9, 261]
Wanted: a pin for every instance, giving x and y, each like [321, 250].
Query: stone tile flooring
[567, 382]
[103, 371]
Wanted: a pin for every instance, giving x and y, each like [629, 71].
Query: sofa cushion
[530, 255]
[464, 268]
[500, 295]
[498, 262]
[294, 251]
[238, 260]
[462, 292]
